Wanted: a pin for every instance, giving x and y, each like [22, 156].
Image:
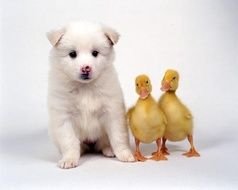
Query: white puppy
[86, 105]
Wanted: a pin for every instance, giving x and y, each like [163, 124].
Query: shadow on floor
[36, 145]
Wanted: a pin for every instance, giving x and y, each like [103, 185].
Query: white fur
[86, 110]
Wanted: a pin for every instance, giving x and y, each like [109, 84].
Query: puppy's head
[82, 50]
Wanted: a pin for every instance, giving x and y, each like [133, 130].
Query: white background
[198, 38]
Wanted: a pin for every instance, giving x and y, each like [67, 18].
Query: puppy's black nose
[86, 69]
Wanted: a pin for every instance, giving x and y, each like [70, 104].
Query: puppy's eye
[73, 54]
[95, 53]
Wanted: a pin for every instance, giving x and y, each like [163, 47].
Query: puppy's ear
[54, 36]
[111, 34]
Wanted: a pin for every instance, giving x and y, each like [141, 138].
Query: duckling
[180, 120]
[147, 122]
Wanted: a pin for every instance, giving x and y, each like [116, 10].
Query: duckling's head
[170, 81]
[143, 86]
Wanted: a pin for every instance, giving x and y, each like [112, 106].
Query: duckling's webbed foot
[192, 152]
[164, 149]
[138, 156]
[158, 155]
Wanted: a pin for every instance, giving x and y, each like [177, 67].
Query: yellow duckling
[180, 121]
[146, 120]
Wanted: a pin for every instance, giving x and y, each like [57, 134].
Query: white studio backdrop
[198, 38]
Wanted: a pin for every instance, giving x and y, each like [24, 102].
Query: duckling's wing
[187, 113]
[129, 112]
[165, 119]
[188, 116]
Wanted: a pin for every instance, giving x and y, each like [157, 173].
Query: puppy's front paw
[107, 151]
[67, 163]
[125, 156]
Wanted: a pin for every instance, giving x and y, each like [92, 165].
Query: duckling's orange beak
[165, 86]
[144, 93]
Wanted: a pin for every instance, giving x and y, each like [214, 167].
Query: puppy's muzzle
[85, 72]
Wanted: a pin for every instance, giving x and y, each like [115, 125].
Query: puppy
[85, 100]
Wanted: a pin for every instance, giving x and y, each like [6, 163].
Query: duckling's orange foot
[158, 156]
[164, 150]
[139, 157]
[192, 153]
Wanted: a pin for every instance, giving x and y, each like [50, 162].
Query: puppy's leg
[68, 144]
[118, 137]
[104, 146]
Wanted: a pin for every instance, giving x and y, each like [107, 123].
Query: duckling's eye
[174, 78]
[137, 84]
[147, 82]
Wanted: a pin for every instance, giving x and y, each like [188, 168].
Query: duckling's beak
[165, 86]
[144, 93]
